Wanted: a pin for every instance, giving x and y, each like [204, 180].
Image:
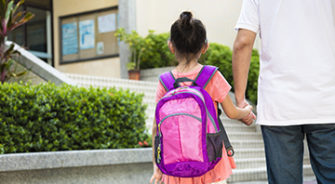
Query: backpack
[190, 134]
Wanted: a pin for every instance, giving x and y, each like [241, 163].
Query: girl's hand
[156, 176]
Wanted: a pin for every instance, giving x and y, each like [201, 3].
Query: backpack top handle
[183, 79]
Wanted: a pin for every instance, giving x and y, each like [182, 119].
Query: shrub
[157, 53]
[221, 56]
[252, 85]
[147, 52]
[46, 117]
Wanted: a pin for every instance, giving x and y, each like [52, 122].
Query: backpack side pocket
[214, 145]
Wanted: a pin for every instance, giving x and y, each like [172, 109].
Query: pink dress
[218, 88]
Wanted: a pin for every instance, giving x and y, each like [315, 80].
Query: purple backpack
[190, 135]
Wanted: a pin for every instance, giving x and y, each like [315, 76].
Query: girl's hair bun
[186, 18]
[188, 34]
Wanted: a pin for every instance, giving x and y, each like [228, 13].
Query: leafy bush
[147, 52]
[221, 56]
[252, 85]
[157, 53]
[51, 118]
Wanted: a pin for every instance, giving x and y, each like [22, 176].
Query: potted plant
[10, 19]
[133, 71]
[136, 45]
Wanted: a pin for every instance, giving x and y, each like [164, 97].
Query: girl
[188, 41]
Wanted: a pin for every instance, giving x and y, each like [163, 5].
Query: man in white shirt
[296, 86]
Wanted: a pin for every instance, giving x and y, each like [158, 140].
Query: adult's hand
[249, 119]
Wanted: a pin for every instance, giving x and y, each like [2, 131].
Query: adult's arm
[242, 51]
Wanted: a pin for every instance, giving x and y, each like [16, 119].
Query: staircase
[247, 140]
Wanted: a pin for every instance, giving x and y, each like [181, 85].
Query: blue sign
[69, 38]
[87, 35]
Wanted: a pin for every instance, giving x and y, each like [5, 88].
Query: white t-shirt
[297, 65]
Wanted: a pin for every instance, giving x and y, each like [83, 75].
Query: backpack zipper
[207, 112]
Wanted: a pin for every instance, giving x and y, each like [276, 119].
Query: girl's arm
[234, 112]
[154, 132]
[157, 174]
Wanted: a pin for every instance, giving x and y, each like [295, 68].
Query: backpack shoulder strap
[229, 148]
[205, 75]
[167, 80]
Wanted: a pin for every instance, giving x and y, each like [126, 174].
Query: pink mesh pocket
[182, 139]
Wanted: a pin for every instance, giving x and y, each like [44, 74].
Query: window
[89, 36]
[37, 31]
[36, 35]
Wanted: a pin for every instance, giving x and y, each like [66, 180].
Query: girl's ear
[205, 48]
[171, 47]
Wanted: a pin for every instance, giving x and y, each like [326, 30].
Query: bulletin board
[89, 36]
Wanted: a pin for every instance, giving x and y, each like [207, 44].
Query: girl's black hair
[188, 35]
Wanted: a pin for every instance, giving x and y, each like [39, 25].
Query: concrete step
[237, 127]
[150, 101]
[249, 153]
[244, 144]
[151, 109]
[95, 81]
[244, 136]
[142, 88]
[257, 162]
[307, 180]
[249, 174]
[250, 163]
[257, 153]
[258, 174]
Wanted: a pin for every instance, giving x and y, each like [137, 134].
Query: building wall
[219, 16]
[109, 67]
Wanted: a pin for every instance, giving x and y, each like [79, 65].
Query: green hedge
[221, 56]
[47, 117]
[253, 77]
[156, 53]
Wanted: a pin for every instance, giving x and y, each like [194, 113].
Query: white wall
[219, 16]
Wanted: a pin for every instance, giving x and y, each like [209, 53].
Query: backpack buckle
[230, 151]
